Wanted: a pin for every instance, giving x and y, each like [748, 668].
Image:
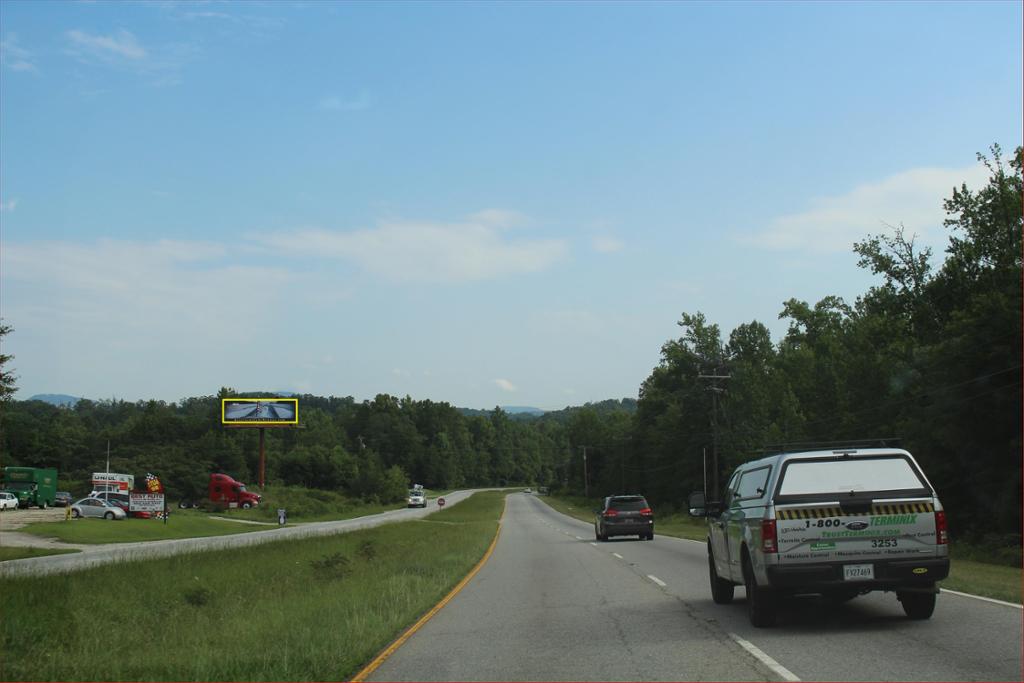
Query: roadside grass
[20, 553]
[182, 524]
[310, 610]
[308, 505]
[988, 580]
[1000, 580]
[302, 505]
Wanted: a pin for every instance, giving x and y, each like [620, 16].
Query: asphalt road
[95, 555]
[553, 604]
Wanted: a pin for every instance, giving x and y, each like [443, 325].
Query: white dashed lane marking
[656, 580]
[784, 673]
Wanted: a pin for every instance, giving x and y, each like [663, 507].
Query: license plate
[858, 572]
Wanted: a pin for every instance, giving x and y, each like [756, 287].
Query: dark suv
[624, 516]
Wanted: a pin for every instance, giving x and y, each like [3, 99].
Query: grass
[303, 505]
[988, 580]
[308, 505]
[1000, 579]
[182, 524]
[20, 553]
[310, 610]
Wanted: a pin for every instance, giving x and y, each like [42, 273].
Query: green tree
[7, 376]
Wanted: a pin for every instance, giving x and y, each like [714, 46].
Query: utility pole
[715, 391]
[586, 484]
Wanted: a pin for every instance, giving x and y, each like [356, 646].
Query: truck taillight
[646, 512]
[769, 536]
[611, 513]
[941, 530]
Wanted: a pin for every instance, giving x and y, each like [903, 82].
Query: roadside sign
[440, 502]
[146, 502]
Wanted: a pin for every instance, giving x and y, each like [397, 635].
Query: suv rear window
[807, 477]
[630, 504]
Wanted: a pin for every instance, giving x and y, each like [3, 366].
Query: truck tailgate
[889, 530]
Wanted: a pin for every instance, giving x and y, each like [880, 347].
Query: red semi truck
[225, 491]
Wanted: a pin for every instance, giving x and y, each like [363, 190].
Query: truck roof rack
[796, 446]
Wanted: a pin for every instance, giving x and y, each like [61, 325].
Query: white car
[8, 501]
[417, 499]
[95, 507]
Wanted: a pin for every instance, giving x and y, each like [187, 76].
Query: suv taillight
[769, 536]
[611, 512]
[647, 512]
[941, 530]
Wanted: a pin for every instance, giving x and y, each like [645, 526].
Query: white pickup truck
[837, 523]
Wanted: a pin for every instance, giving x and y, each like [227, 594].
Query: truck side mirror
[696, 504]
[699, 507]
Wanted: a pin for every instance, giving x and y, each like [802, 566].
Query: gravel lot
[15, 519]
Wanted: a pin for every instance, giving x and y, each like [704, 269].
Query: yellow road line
[390, 650]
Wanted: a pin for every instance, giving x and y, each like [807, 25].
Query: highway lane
[554, 604]
[96, 555]
[548, 606]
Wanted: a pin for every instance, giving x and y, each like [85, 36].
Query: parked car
[624, 516]
[417, 499]
[527, 490]
[94, 507]
[123, 501]
[62, 499]
[8, 501]
[837, 523]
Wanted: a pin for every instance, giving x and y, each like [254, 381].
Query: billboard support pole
[263, 459]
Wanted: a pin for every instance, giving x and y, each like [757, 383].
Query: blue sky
[480, 203]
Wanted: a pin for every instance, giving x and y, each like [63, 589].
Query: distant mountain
[56, 399]
[516, 410]
[625, 405]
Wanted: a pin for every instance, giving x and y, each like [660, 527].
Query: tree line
[928, 359]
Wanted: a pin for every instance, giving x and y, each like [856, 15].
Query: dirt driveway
[15, 519]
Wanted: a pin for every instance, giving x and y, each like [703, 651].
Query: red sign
[440, 502]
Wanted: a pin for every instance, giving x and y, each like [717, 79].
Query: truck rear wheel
[917, 605]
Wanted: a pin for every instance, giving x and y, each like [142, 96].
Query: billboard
[259, 411]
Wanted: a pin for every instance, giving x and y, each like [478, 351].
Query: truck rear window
[808, 477]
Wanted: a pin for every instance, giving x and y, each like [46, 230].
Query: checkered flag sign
[153, 484]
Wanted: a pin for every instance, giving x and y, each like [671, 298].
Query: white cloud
[9, 205]
[607, 245]
[336, 103]
[124, 45]
[134, 291]
[505, 385]
[15, 57]
[426, 252]
[498, 218]
[913, 198]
